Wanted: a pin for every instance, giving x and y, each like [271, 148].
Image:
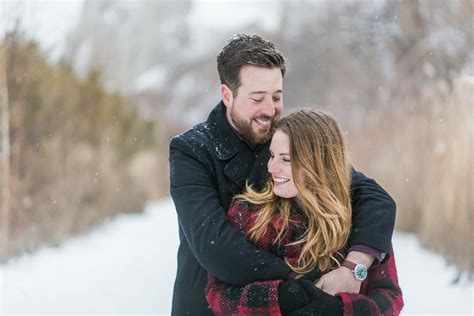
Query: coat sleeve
[220, 248]
[380, 293]
[373, 214]
[257, 298]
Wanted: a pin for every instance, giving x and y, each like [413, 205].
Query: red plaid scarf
[379, 294]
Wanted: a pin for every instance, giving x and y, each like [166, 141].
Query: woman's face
[279, 166]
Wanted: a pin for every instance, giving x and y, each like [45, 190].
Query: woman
[304, 215]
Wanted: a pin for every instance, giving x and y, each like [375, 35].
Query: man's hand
[339, 280]
[342, 279]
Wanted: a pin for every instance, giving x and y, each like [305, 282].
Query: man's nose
[269, 109]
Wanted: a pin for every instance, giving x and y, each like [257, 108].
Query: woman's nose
[272, 165]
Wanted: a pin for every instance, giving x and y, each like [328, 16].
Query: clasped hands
[342, 279]
[339, 280]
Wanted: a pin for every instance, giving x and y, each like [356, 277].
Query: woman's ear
[227, 96]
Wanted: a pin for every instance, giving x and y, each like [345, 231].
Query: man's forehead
[250, 72]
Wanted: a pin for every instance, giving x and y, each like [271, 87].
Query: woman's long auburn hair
[318, 152]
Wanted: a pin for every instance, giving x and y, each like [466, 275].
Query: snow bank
[127, 266]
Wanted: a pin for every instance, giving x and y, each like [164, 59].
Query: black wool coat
[209, 164]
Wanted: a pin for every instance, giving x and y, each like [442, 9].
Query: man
[211, 162]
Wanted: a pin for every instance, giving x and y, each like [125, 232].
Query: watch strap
[349, 264]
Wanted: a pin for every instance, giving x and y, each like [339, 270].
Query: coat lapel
[239, 167]
[259, 173]
[243, 163]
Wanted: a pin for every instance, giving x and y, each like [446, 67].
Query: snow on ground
[127, 266]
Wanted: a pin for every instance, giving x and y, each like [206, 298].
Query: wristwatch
[360, 271]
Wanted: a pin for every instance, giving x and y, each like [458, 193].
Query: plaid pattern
[380, 293]
[258, 298]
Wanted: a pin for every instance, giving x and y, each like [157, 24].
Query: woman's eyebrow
[280, 154]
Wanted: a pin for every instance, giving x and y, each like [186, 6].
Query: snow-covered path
[127, 266]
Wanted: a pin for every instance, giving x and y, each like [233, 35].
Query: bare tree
[5, 153]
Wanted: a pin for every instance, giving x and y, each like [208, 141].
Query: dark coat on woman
[209, 164]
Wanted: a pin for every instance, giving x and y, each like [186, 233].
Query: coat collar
[226, 143]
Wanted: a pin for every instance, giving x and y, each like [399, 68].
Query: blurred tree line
[398, 75]
[77, 152]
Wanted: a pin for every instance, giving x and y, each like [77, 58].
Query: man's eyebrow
[260, 92]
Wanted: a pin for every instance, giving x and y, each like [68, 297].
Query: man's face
[258, 103]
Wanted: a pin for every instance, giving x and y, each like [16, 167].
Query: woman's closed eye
[286, 160]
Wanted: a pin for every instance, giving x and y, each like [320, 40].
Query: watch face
[360, 272]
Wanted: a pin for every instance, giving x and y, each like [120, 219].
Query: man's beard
[244, 127]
